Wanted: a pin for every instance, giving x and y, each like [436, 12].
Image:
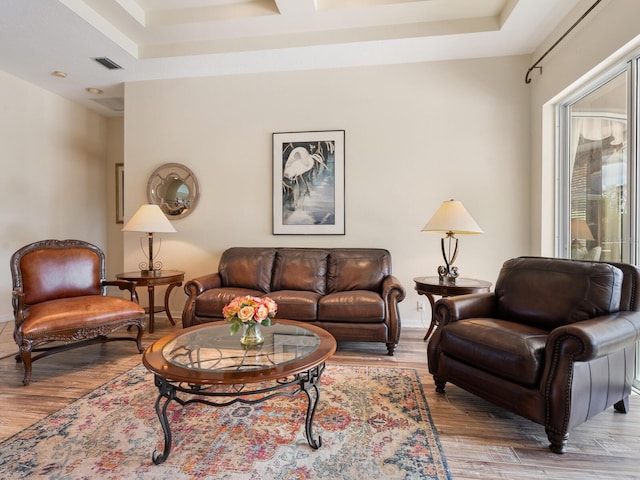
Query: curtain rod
[535, 65]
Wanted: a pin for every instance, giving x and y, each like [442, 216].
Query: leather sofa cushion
[76, 313]
[45, 274]
[357, 306]
[295, 304]
[509, 350]
[357, 269]
[211, 302]
[247, 268]
[548, 293]
[300, 269]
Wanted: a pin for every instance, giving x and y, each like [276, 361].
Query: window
[598, 194]
[595, 186]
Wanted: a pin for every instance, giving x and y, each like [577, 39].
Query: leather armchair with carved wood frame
[60, 302]
[556, 342]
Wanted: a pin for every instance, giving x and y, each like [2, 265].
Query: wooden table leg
[166, 301]
[152, 308]
[434, 322]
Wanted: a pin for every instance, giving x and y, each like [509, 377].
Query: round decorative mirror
[174, 188]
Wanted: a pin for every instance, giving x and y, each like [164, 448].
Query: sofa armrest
[196, 287]
[472, 305]
[392, 293]
[123, 285]
[392, 288]
[201, 284]
[596, 337]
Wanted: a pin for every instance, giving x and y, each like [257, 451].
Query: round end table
[173, 278]
[432, 286]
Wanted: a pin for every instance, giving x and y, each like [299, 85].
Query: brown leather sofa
[60, 302]
[348, 291]
[555, 342]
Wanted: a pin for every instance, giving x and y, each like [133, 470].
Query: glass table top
[213, 349]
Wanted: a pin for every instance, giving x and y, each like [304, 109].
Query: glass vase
[251, 334]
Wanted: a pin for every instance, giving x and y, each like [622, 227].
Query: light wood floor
[479, 440]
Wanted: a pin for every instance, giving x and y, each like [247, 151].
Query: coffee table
[206, 362]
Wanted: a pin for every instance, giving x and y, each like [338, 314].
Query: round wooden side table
[172, 278]
[432, 286]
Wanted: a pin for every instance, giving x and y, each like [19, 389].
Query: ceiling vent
[115, 104]
[107, 63]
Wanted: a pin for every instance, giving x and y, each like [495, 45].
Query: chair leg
[139, 338]
[623, 405]
[557, 442]
[441, 385]
[25, 357]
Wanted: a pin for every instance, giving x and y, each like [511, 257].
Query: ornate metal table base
[306, 382]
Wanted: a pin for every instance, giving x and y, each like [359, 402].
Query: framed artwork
[308, 183]
[119, 193]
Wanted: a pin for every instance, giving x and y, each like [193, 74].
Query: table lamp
[149, 219]
[580, 230]
[451, 219]
[580, 234]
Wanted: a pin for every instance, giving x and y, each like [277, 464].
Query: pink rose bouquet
[249, 310]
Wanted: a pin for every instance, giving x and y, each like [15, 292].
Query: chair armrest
[17, 300]
[596, 337]
[123, 285]
[582, 342]
[196, 287]
[472, 305]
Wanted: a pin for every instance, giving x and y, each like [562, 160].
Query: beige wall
[53, 180]
[415, 135]
[114, 154]
[608, 35]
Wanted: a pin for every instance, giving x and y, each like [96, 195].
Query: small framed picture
[308, 183]
[119, 193]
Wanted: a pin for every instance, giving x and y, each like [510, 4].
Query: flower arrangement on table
[249, 310]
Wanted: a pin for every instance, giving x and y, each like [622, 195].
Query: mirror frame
[172, 172]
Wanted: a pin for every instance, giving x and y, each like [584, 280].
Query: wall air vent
[107, 63]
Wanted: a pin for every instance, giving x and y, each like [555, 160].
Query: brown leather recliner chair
[555, 343]
[59, 295]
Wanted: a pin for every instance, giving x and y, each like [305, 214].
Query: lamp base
[448, 274]
[150, 268]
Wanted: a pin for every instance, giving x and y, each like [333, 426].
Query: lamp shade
[452, 217]
[150, 219]
[580, 229]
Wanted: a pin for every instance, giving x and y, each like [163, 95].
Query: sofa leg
[390, 349]
[623, 405]
[441, 385]
[557, 442]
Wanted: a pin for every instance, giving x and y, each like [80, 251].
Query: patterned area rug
[374, 423]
